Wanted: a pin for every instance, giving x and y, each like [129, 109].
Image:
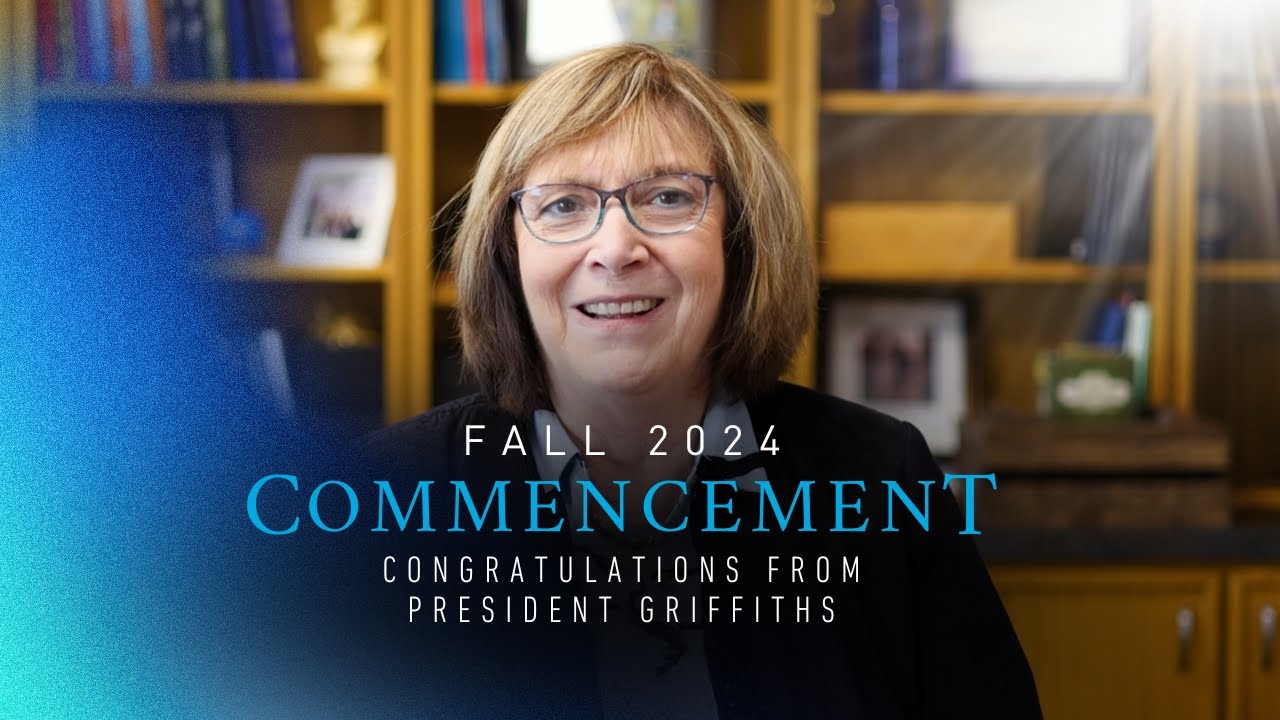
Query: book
[215, 38]
[155, 36]
[47, 41]
[80, 40]
[497, 52]
[241, 56]
[174, 43]
[194, 45]
[99, 41]
[474, 41]
[273, 25]
[121, 54]
[450, 47]
[1137, 345]
[140, 43]
[66, 37]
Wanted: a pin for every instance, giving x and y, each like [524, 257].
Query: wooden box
[867, 238]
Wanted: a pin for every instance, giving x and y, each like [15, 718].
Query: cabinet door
[1118, 642]
[1253, 657]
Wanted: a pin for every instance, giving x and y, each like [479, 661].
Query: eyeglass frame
[621, 194]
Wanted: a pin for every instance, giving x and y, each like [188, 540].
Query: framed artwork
[905, 358]
[557, 29]
[339, 212]
[1027, 44]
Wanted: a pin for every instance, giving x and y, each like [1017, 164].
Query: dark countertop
[1240, 545]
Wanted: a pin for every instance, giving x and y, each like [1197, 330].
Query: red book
[473, 23]
[159, 51]
[121, 60]
[47, 39]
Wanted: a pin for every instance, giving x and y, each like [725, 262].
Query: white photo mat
[340, 212]
[906, 358]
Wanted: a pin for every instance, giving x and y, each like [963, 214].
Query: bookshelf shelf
[252, 92]
[477, 95]
[1028, 271]
[1240, 271]
[985, 103]
[263, 270]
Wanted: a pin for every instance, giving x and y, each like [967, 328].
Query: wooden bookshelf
[250, 92]
[978, 103]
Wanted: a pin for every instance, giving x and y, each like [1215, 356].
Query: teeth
[613, 309]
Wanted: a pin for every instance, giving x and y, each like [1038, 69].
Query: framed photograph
[905, 358]
[1028, 44]
[340, 212]
[557, 29]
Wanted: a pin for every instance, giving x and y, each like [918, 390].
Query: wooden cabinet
[1252, 661]
[1131, 642]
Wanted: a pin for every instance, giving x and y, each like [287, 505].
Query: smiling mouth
[613, 310]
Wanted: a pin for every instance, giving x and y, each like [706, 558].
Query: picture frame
[906, 358]
[339, 212]
[1046, 44]
[554, 30]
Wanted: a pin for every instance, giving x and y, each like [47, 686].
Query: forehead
[623, 152]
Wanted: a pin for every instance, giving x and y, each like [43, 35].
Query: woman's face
[672, 283]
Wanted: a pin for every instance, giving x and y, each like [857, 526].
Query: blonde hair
[770, 282]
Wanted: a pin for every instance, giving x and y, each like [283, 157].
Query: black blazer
[921, 635]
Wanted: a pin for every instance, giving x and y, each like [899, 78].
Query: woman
[632, 256]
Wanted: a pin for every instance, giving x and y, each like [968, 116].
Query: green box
[1078, 383]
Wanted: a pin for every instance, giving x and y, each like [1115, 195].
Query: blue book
[240, 52]
[173, 40]
[497, 57]
[450, 42]
[195, 55]
[140, 43]
[280, 39]
[99, 42]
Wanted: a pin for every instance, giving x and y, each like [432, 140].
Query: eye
[667, 197]
[563, 203]
[671, 197]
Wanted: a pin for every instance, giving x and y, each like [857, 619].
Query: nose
[618, 245]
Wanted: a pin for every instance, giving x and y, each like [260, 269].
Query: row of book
[494, 41]
[140, 42]
[471, 41]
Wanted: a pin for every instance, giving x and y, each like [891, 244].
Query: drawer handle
[1186, 622]
[1267, 620]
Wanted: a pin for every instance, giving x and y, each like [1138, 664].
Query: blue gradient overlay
[124, 427]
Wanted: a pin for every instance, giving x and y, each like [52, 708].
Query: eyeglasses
[658, 205]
